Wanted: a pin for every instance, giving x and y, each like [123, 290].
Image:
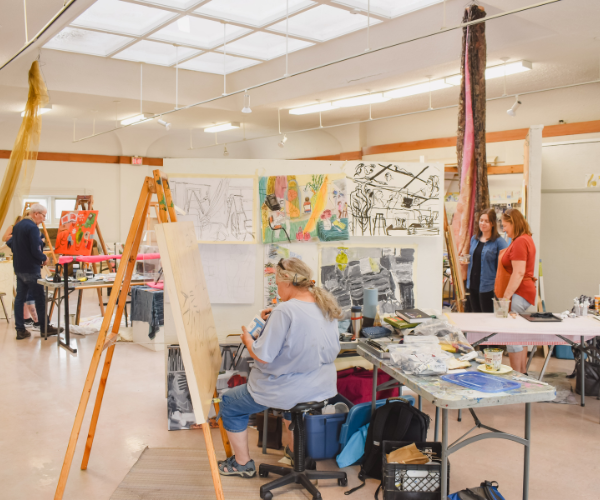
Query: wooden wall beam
[86, 158]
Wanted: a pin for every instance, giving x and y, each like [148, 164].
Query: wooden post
[224, 438]
[212, 460]
[453, 259]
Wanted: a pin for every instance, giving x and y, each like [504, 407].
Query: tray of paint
[481, 382]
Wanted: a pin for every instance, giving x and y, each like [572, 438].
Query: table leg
[531, 354]
[444, 481]
[266, 430]
[459, 415]
[437, 417]
[582, 372]
[45, 313]
[79, 299]
[526, 452]
[548, 356]
[420, 403]
[374, 390]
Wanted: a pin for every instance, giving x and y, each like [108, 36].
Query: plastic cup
[501, 308]
[493, 359]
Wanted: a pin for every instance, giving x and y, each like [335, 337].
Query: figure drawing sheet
[388, 199]
[346, 270]
[221, 208]
[301, 208]
[76, 231]
[273, 254]
[180, 411]
[230, 273]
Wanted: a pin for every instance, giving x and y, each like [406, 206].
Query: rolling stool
[298, 474]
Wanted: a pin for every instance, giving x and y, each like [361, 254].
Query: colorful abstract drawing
[346, 271]
[303, 208]
[76, 232]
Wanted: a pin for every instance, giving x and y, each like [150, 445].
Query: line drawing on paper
[346, 270]
[393, 200]
[221, 208]
[230, 273]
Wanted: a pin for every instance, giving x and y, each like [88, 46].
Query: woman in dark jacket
[484, 250]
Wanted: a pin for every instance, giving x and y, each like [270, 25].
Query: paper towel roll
[370, 302]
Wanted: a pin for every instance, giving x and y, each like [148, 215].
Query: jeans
[236, 407]
[28, 282]
[518, 305]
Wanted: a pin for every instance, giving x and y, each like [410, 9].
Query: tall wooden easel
[158, 185]
[459, 286]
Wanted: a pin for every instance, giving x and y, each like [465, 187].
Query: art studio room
[299, 249]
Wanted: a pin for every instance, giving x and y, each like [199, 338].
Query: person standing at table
[515, 280]
[481, 275]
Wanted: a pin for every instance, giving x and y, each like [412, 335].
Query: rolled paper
[370, 302]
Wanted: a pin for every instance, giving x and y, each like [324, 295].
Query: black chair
[298, 474]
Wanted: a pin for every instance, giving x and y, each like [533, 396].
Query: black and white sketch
[346, 271]
[180, 411]
[394, 200]
[221, 208]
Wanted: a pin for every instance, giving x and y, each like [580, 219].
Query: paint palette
[481, 382]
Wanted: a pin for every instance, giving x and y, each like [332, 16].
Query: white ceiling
[558, 39]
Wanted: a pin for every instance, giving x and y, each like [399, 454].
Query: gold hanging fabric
[21, 166]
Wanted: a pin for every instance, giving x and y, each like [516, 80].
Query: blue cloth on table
[147, 304]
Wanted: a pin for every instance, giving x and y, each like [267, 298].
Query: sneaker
[52, 330]
[23, 334]
[34, 326]
[28, 322]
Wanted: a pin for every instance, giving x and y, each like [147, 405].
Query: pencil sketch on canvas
[346, 270]
[221, 208]
[180, 412]
[230, 273]
[394, 200]
[274, 252]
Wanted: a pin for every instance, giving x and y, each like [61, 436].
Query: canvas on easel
[76, 232]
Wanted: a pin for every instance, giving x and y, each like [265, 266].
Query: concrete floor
[40, 387]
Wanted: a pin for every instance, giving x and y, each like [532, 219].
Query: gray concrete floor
[40, 387]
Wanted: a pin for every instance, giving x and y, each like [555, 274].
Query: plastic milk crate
[412, 482]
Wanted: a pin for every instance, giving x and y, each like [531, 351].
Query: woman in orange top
[518, 261]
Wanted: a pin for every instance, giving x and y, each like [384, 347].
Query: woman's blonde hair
[17, 220]
[297, 273]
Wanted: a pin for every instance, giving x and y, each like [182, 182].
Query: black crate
[400, 484]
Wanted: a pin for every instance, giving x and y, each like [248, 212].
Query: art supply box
[323, 431]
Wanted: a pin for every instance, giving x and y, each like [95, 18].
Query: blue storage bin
[360, 415]
[563, 352]
[323, 431]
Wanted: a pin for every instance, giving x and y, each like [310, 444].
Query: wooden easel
[459, 286]
[118, 298]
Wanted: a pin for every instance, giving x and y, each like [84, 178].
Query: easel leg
[222, 430]
[212, 460]
[79, 300]
[52, 304]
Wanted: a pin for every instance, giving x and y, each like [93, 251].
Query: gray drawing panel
[180, 412]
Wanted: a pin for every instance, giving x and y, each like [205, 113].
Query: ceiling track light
[513, 110]
[164, 124]
[246, 108]
[225, 152]
[281, 143]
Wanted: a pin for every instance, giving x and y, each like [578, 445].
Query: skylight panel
[163, 54]
[213, 63]
[87, 42]
[122, 17]
[251, 12]
[388, 8]
[174, 4]
[324, 23]
[203, 33]
[264, 46]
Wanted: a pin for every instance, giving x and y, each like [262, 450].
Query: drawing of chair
[237, 218]
[379, 224]
[276, 226]
[400, 223]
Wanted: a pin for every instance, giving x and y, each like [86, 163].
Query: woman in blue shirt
[294, 360]
[481, 276]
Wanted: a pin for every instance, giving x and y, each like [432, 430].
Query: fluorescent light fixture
[323, 23]
[497, 71]
[313, 108]
[162, 54]
[122, 17]
[41, 111]
[174, 4]
[251, 12]
[136, 118]
[419, 88]
[388, 8]
[222, 127]
[246, 109]
[202, 33]
[211, 62]
[265, 46]
[87, 42]
[360, 100]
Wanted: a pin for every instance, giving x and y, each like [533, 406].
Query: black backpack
[396, 420]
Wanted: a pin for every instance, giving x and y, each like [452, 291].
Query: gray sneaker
[23, 334]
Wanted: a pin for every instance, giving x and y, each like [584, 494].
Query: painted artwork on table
[180, 412]
[303, 208]
[394, 200]
[221, 208]
[76, 232]
[346, 270]
[273, 254]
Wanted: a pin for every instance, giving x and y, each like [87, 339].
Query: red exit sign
[136, 160]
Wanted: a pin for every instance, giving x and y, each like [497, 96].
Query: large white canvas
[230, 274]
[389, 199]
[221, 207]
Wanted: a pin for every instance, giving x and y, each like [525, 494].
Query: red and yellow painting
[76, 232]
